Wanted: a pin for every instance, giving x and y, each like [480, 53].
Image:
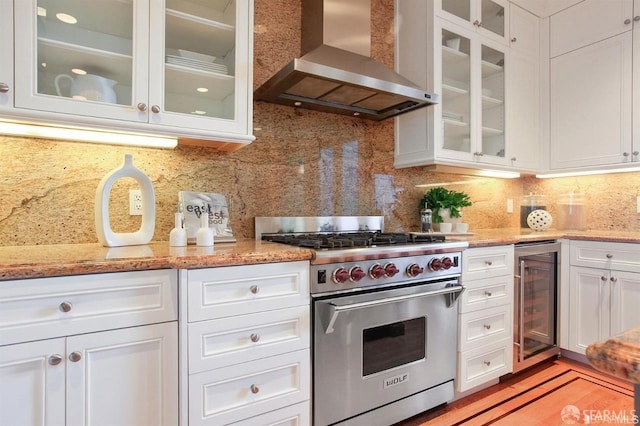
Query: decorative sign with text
[194, 204]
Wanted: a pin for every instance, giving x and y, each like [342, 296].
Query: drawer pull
[75, 356]
[255, 389]
[609, 256]
[487, 326]
[254, 289]
[65, 306]
[488, 262]
[487, 363]
[487, 293]
[254, 337]
[55, 359]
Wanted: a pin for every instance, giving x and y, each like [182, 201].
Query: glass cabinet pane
[492, 17]
[493, 111]
[459, 8]
[84, 49]
[456, 98]
[200, 46]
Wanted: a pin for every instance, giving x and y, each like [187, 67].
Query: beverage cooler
[535, 327]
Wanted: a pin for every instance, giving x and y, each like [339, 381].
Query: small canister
[572, 212]
[529, 203]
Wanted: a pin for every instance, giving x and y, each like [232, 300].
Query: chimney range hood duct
[336, 73]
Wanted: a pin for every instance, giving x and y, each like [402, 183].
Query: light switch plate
[509, 205]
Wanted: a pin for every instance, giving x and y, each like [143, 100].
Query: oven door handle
[329, 311]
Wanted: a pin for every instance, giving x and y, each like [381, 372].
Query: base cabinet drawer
[477, 366]
[228, 395]
[481, 328]
[606, 255]
[228, 341]
[487, 262]
[486, 293]
[294, 415]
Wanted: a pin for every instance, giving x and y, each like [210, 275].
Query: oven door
[375, 348]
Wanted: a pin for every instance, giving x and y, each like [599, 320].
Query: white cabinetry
[6, 54]
[246, 348]
[485, 325]
[593, 82]
[141, 72]
[99, 349]
[470, 67]
[604, 291]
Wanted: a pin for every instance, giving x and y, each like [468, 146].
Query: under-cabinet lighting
[587, 173]
[199, 112]
[202, 89]
[86, 135]
[66, 18]
[498, 174]
[42, 11]
[79, 71]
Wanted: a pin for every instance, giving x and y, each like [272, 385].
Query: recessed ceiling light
[298, 103]
[78, 71]
[67, 19]
[42, 11]
[202, 89]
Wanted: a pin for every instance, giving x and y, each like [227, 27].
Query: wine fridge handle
[520, 342]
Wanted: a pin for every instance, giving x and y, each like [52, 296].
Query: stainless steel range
[384, 316]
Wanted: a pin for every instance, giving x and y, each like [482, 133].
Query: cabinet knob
[513, 40]
[625, 154]
[155, 109]
[613, 279]
[255, 389]
[4, 87]
[636, 18]
[55, 359]
[487, 363]
[603, 279]
[514, 159]
[254, 289]
[65, 306]
[75, 356]
[487, 293]
[477, 23]
[627, 21]
[609, 256]
[488, 262]
[478, 154]
[487, 326]
[636, 153]
[254, 337]
[142, 106]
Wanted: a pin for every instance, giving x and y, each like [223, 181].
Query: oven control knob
[356, 273]
[377, 271]
[447, 262]
[435, 264]
[390, 269]
[414, 270]
[340, 276]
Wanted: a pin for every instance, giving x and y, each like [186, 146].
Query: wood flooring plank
[534, 397]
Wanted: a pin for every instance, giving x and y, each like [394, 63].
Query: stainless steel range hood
[336, 73]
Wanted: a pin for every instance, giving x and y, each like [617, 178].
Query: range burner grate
[351, 239]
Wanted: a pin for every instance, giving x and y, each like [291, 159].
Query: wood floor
[538, 397]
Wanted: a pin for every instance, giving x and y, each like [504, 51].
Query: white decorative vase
[106, 236]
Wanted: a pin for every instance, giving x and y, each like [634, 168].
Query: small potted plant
[445, 203]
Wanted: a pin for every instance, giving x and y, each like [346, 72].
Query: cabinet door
[32, 383]
[588, 22]
[488, 17]
[82, 58]
[524, 29]
[636, 82]
[590, 105]
[492, 96]
[123, 377]
[625, 300]
[201, 65]
[588, 307]
[6, 54]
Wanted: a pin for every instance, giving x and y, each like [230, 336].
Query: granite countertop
[70, 259]
[618, 356]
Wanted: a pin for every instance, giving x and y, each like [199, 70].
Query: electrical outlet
[509, 205]
[135, 202]
[638, 204]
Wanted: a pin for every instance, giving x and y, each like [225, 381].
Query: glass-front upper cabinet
[202, 68]
[473, 97]
[6, 54]
[488, 17]
[82, 57]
